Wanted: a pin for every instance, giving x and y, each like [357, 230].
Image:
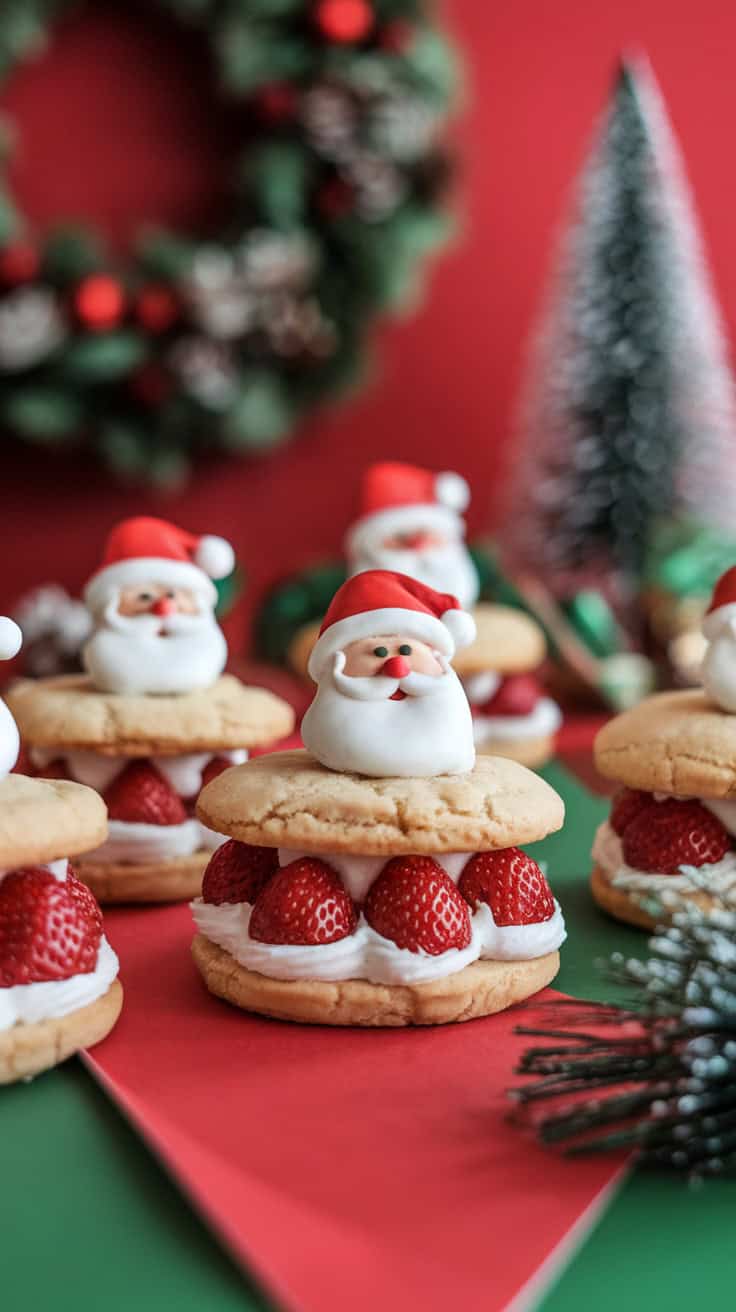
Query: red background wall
[117, 124]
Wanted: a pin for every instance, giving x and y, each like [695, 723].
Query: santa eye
[404, 649]
[145, 596]
[171, 594]
[380, 651]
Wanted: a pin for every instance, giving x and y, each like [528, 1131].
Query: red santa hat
[397, 498]
[723, 604]
[381, 602]
[145, 550]
[11, 638]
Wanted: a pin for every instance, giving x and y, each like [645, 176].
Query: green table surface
[88, 1219]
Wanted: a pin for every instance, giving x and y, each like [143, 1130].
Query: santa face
[390, 705]
[153, 638]
[719, 662]
[432, 557]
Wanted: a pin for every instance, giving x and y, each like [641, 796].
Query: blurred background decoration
[226, 340]
[135, 117]
[624, 504]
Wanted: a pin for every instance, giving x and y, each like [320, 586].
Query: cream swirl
[368, 955]
[26, 1004]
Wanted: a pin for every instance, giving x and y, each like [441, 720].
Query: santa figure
[411, 522]
[152, 603]
[11, 639]
[719, 627]
[388, 701]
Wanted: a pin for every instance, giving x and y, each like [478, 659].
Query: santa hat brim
[402, 519]
[455, 629]
[107, 582]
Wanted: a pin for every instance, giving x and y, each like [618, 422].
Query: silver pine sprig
[658, 1076]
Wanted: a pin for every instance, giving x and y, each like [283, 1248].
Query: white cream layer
[184, 773]
[717, 878]
[25, 1004]
[366, 954]
[132, 843]
[358, 872]
[545, 719]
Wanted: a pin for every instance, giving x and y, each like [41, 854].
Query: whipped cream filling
[368, 955]
[717, 878]
[56, 868]
[184, 773]
[543, 720]
[358, 872]
[134, 843]
[26, 1004]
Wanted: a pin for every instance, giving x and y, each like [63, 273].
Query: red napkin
[347, 1168]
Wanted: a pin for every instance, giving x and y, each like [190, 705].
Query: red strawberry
[139, 794]
[48, 929]
[303, 902]
[517, 694]
[671, 834]
[512, 885]
[237, 872]
[627, 805]
[415, 904]
[215, 767]
[83, 897]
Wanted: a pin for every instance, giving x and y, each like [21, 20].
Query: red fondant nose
[396, 667]
[163, 606]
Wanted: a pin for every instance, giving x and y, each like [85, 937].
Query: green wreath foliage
[225, 343]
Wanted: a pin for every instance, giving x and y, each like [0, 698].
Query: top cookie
[67, 712]
[289, 800]
[674, 742]
[508, 641]
[45, 819]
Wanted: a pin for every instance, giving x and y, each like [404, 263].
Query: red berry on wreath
[19, 262]
[276, 103]
[344, 21]
[157, 307]
[99, 301]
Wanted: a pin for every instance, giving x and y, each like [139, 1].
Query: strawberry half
[237, 872]
[512, 885]
[671, 834]
[215, 767]
[303, 902]
[414, 903]
[49, 928]
[517, 694]
[140, 795]
[627, 805]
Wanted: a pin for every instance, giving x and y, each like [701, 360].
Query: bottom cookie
[478, 990]
[626, 906]
[27, 1050]
[527, 751]
[178, 880]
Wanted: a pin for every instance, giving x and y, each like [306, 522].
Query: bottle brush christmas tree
[628, 412]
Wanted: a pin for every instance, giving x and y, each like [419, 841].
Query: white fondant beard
[719, 671]
[421, 736]
[129, 655]
[9, 740]
[448, 569]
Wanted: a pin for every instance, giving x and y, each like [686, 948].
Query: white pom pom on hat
[11, 638]
[215, 556]
[452, 491]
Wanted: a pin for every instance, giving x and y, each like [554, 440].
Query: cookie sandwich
[512, 715]
[59, 990]
[376, 878]
[154, 718]
[670, 841]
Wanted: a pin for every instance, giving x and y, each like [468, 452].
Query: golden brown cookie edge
[28, 1050]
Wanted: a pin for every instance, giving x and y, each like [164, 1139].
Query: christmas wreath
[225, 343]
